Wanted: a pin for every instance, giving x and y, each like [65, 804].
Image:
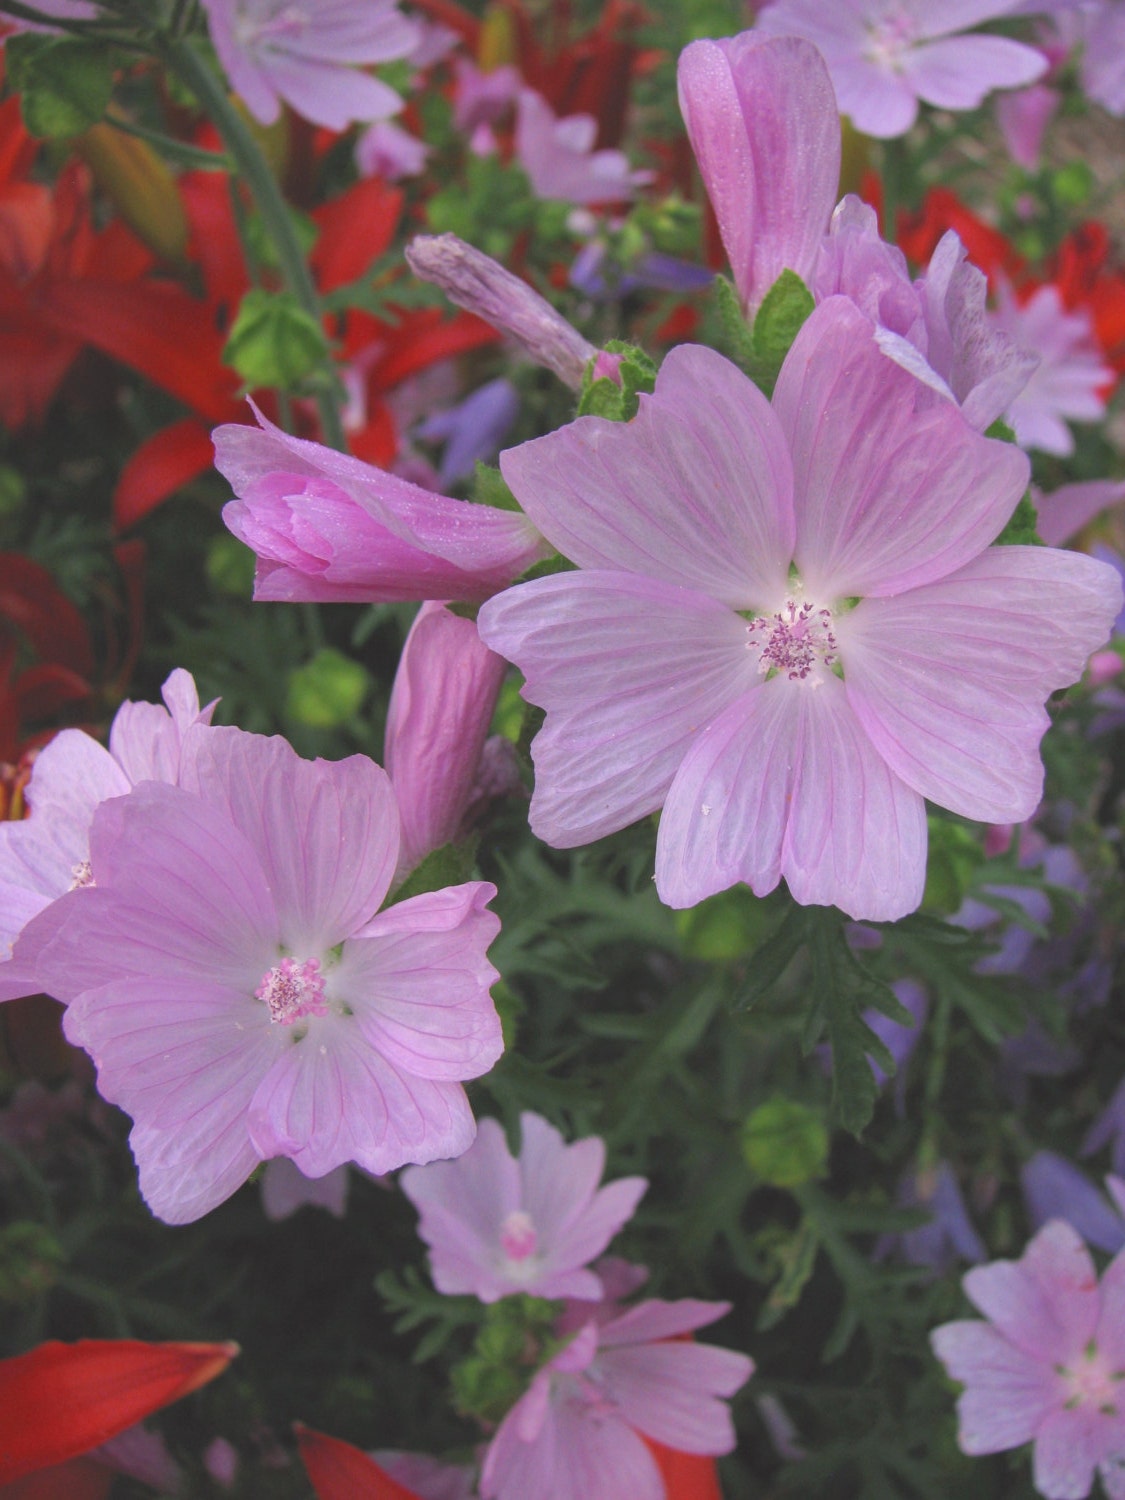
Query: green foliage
[65, 84]
[489, 488]
[452, 864]
[328, 690]
[617, 400]
[785, 1143]
[760, 351]
[515, 1338]
[274, 341]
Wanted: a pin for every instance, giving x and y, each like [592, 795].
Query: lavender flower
[1048, 1366]
[1053, 1188]
[694, 660]
[886, 55]
[473, 429]
[559, 157]
[301, 51]
[386, 150]
[498, 1224]
[240, 992]
[949, 1236]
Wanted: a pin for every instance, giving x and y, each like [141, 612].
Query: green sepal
[489, 488]
[64, 84]
[735, 336]
[602, 397]
[1021, 530]
[452, 864]
[783, 312]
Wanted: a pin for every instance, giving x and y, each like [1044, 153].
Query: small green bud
[13, 491]
[785, 1143]
[230, 566]
[327, 691]
[274, 341]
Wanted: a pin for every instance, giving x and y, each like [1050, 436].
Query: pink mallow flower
[301, 51]
[559, 157]
[331, 529]
[578, 1432]
[240, 992]
[48, 853]
[1048, 1367]
[886, 55]
[498, 1224]
[442, 702]
[787, 627]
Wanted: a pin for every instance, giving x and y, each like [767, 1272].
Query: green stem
[183, 60]
[188, 156]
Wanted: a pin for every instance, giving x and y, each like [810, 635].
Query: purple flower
[498, 1224]
[441, 705]
[48, 853]
[576, 1434]
[473, 429]
[1053, 1188]
[1071, 378]
[386, 150]
[900, 1040]
[706, 656]
[886, 55]
[762, 120]
[300, 51]
[949, 1235]
[559, 157]
[1109, 1129]
[1023, 116]
[482, 97]
[241, 997]
[1048, 1366]
[331, 529]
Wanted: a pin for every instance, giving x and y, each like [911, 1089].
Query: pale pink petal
[1046, 1303]
[1068, 1449]
[573, 1457]
[325, 833]
[145, 738]
[671, 1392]
[285, 1189]
[957, 73]
[330, 95]
[695, 490]
[1111, 1320]
[761, 116]
[888, 494]
[1065, 511]
[629, 671]
[1008, 1394]
[654, 1320]
[187, 1172]
[330, 1099]
[949, 679]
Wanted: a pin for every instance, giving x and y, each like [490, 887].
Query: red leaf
[32, 601]
[81, 1479]
[167, 460]
[687, 1476]
[60, 1400]
[340, 1472]
[355, 229]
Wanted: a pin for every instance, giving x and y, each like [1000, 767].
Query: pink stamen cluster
[793, 640]
[1093, 1382]
[81, 875]
[518, 1239]
[293, 990]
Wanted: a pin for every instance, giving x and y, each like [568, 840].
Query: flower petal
[1008, 1395]
[1046, 1303]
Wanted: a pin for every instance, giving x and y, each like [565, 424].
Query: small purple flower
[330, 529]
[386, 150]
[240, 992]
[498, 1224]
[1109, 1130]
[949, 1236]
[1048, 1366]
[886, 55]
[473, 429]
[301, 51]
[1023, 116]
[1053, 1188]
[576, 1434]
[706, 656]
[441, 705]
[559, 157]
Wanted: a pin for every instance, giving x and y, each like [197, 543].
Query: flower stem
[183, 60]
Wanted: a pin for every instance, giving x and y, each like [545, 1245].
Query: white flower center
[796, 640]
[293, 989]
[1091, 1382]
[518, 1239]
[889, 40]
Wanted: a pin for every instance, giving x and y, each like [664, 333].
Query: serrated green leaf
[736, 338]
[797, 1259]
[1021, 530]
[489, 488]
[783, 311]
[770, 961]
[65, 84]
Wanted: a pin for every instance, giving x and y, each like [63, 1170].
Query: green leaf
[774, 956]
[65, 84]
[784, 309]
[735, 336]
[452, 864]
[274, 341]
[328, 690]
[797, 1259]
[618, 400]
[1021, 528]
[489, 488]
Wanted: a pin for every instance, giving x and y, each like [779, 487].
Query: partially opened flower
[559, 157]
[787, 626]
[241, 994]
[886, 55]
[301, 51]
[1048, 1367]
[498, 1224]
[578, 1433]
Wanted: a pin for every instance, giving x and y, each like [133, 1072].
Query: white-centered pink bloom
[1048, 1367]
[1070, 382]
[787, 626]
[559, 157]
[886, 55]
[331, 529]
[498, 1224]
[241, 993]
[302, 52]
[577, 1433]
[48, 853]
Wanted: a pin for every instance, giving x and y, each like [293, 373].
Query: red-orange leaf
[60, 1400]
[687, 1476]
[340, 1472]
[165, 461]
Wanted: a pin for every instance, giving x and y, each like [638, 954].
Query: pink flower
[886, 55]
[762, 120]
[1023, 116]
[241, 994]
[482, 96]
[441, 705]
[301, 51]
[48, 853]
[1048, 1367]
[498, 1224]
[577, 1433]
[386, 150]
[331, 529]
[788, 627]
[559, 157]
[1071, 379]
